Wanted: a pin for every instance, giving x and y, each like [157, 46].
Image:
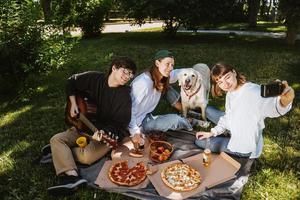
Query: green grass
[262, 26]
[29, 119]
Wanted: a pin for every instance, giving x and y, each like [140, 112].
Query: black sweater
[113, 103]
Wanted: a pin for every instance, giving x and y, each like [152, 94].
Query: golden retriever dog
[195, 88]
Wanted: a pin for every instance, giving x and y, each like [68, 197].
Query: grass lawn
[29, 119]
[263, 26]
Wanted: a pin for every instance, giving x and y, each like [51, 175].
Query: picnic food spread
[181, 177]
[121, 174]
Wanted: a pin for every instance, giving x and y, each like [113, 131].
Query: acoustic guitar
[88, 110]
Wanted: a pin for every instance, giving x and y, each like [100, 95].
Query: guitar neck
[87, 123]
[81, 122]
[107, 138]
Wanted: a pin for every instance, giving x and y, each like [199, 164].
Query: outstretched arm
[278, 106]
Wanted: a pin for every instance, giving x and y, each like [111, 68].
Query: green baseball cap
[163, 54]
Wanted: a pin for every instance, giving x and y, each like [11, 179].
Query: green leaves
[90, 16]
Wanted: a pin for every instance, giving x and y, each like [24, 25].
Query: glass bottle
[207, 153]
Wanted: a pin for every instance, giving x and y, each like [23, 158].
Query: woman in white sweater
[245, 111]
[146, 91]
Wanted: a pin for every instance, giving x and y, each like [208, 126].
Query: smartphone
[271, 89]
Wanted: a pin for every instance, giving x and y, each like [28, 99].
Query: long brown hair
[220, 69]
[160, 82]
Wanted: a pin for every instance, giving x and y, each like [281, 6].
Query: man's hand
[98, 135]
[202, 135]
[287, 95]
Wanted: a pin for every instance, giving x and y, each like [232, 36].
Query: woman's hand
[202, 135]
[138, 138]
[287, 95]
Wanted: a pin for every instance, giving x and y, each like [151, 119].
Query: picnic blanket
[183, 143]
[183, 147]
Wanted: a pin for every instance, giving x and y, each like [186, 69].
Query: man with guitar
[112, 98]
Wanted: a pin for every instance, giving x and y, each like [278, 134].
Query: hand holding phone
[288, 94]
[272, 89]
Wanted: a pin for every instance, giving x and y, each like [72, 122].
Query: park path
[126, 27]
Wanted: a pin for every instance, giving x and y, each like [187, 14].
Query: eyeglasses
[127, 72]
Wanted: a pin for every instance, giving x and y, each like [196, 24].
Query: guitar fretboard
[87, 123]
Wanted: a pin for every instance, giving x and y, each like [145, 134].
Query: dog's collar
[190, 96]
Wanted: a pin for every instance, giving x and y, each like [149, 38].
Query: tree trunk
[291, 34]
[269, 10]
[263, 9]
[46, 5]
[253, 8]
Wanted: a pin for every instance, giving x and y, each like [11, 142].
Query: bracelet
[277, 108]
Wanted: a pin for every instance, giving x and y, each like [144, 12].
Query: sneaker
[67, 185]
[46, 150]
[46, 159]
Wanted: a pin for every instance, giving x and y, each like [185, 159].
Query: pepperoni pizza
[121, 174]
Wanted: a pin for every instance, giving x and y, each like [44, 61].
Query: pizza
[121, 174]
[181, 177]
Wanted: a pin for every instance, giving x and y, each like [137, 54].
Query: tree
[26, 45]
[176, 13]
[90, 16]
[170, 11]
[253, 9]
[290, 12]
[46, 6]
[209, 13]
[64, 14]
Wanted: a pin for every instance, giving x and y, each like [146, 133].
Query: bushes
[31, 45]
[90, 16]
[189, 14]
[26, 45]
[20, 36]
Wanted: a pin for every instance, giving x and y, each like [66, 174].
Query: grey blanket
[183, 147]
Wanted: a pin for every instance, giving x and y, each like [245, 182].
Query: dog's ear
[180, 77]
[199, 77]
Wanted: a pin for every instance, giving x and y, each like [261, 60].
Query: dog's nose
[187, 80]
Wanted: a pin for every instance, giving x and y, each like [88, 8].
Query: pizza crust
[181, 177]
